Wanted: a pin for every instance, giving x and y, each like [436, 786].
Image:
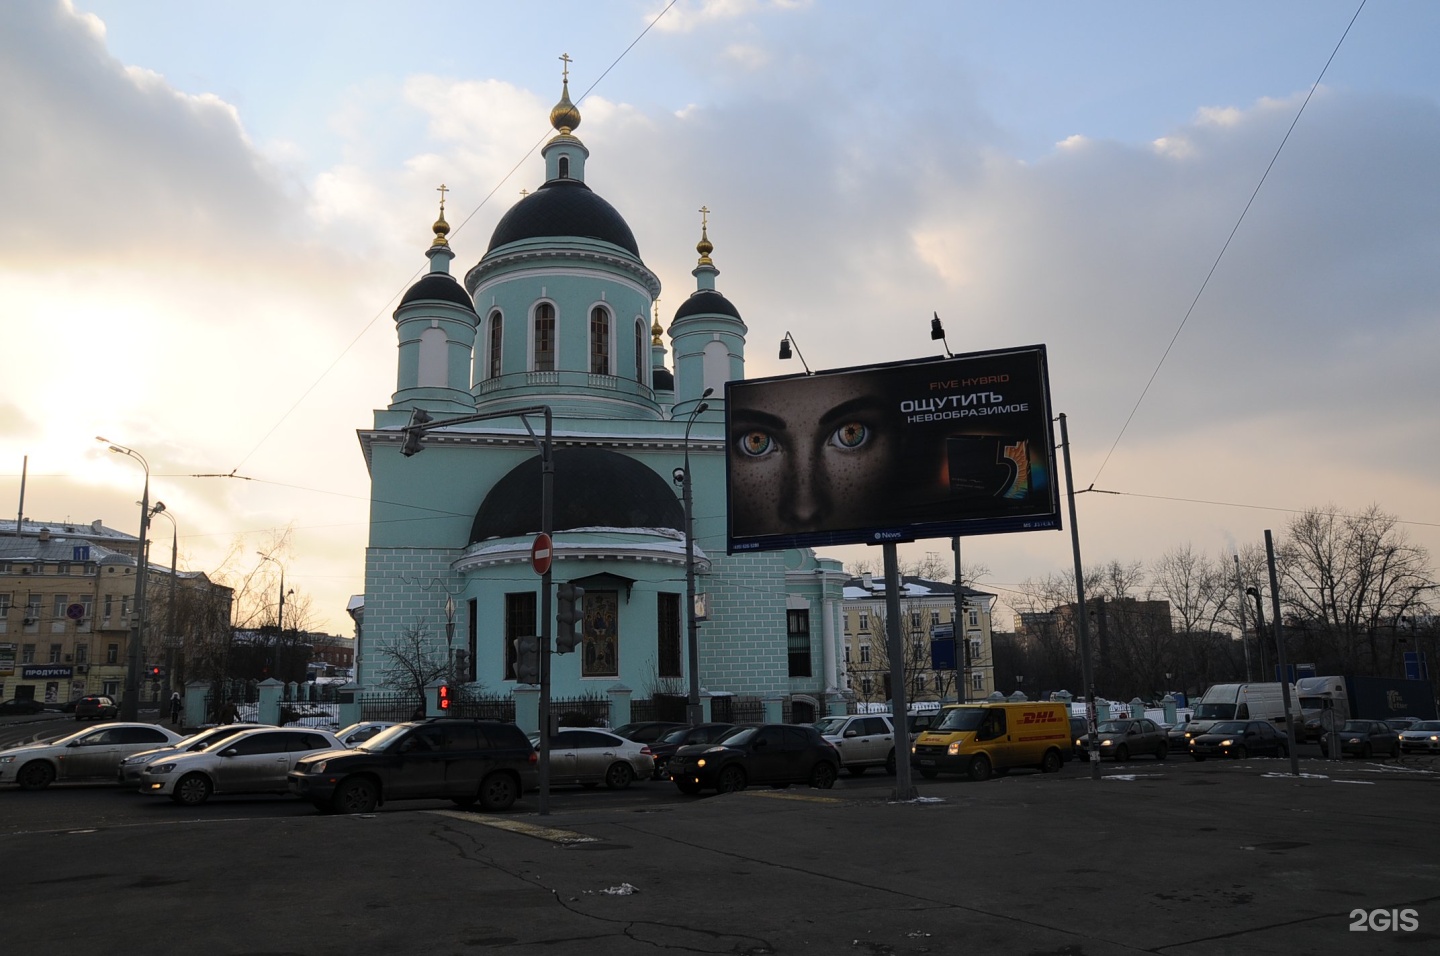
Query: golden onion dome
[565, 117]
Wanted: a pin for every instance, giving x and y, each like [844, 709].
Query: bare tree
[413, 661]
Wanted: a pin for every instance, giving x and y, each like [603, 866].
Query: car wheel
[688, 787]
[498, 792]
[356, 795]
[979, 768]
[619, 776]
[1161, 752]
[1241, 753]
[823, 776]
[731, 779]
[192, 790]
[890, 764]
[36, 775]
[1051, 762]
[929, 774]
[1122, 753]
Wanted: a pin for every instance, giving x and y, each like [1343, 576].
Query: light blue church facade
[561, 311]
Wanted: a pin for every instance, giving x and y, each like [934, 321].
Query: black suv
[447, 758]
[777, 754]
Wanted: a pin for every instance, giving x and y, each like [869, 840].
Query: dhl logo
[1041, 717]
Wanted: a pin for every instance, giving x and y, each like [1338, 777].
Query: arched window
[640, 331]
[544, 337]
[599, 341]
[431, 371]
[564, 167]
[494, 346]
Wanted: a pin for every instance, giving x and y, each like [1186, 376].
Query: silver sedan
[590, 756]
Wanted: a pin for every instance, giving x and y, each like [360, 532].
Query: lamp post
[167, 641]
[130, 706]
[1259, 627]
[693, 711]
[450, 638]
[280, 610]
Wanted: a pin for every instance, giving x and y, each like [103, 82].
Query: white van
[1247, 702]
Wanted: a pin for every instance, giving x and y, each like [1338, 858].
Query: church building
[561, 312]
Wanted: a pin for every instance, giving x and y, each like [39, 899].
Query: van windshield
[1215, 711]
[961, 718]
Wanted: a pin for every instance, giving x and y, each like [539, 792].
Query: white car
[356, 734]
[84, 755]
[1422, 737]
[128, 773]
[590, 756]
[863, 740]
[253, 761]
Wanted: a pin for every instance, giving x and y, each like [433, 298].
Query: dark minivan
[458, 759]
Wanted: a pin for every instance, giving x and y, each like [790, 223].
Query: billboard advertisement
[899, 452]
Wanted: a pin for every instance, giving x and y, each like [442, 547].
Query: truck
[1256, 701]
[1328, 702]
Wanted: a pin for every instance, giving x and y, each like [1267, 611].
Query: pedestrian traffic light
[442, 695]
[527, 660]
[155, 672]
[568, 622]
[413, 431]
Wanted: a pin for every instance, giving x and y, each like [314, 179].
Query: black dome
[438, 286]
[706, 302]
[563, 207]
[593, 488]
[662, 381]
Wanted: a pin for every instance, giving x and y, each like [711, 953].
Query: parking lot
[1159, 857]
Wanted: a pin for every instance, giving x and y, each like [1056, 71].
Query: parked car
[1363, 738]
[357, 733]
[1421, 737]
[460, 759]
[862, 740]
[647, 731]
[1239, 739]
[774, 754]
[919, 723]
[590, 756]
[252, 761]
[664, 748]
[1401, 724]
[96, 707]
[127, 774]
[1079, 739]
[88, 754]
[1132, 737]
[22, 705]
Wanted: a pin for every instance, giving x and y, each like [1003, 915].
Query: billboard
[898, 452]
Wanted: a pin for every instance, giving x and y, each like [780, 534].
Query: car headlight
[1353, 740]
[1079, 742]
[1434, 738]
[1227, 743]
[10, 759]
[700, 763]
[954, 749]
[160, 768]
[314, 767]
[1107, 742]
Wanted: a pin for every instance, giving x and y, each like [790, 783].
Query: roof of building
[93, 531]
[870, 587]
[441, 287]
[563, 207]
[593, 487]
[706, 302]
[57, 549]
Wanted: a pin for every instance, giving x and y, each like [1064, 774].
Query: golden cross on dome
[704, 216]
[565, 73]
[524, 192]
[442, 190]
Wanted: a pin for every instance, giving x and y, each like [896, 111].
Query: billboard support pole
[962, 693]
[1284, 674]
[1082, 617]
[895, 642]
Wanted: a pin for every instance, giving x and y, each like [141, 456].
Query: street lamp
[1259, 626]
[280, 611]
[130, 706]
[693, 710]
[786, 344]
[167, 641]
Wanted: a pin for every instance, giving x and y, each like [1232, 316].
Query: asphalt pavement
[1170, 857]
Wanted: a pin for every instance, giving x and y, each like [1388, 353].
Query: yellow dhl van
[984, 738]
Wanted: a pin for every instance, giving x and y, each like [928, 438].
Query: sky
[210, 211]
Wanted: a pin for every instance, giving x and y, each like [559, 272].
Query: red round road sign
[540, 553]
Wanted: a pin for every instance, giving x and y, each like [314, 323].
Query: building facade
[925, 608]
[558, 324]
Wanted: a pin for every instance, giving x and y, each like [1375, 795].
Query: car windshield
[676, 736]
[738, 736]
[384, 738]
[1427, 725]
[961, 718]
[1355, 727]
[1215, 711]
[1229, 727]
[1114, 727]
[830, 725]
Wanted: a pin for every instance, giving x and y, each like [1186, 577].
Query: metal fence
[737, 710]
[660, 707]
[485, 708]
[395, 707]
[583, 711]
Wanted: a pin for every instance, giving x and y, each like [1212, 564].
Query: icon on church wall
[601, 610]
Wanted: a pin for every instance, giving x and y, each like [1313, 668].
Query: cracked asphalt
[1168, 858]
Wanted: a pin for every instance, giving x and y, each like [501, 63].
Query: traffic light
[442, 695]
[568, 623]
[154, 671]
[527, 660]
[413, 431]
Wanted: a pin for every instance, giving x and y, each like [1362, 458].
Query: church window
[668, 635]
[519, 622]
[564, 167]
[797, 627]
[431, 370]
[544, 337]
[494, 353]
[599, 341]
[640, 352]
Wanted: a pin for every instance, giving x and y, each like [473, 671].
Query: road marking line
[553, 834]
[775, 795]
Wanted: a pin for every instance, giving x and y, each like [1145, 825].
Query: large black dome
[594, 487]
[706, 302]
[563, 207]
[438, 286]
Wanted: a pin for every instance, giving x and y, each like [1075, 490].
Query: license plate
[926, 762]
